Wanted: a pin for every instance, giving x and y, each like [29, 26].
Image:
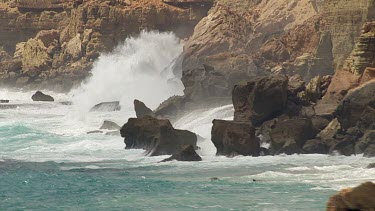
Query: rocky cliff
[55, 42]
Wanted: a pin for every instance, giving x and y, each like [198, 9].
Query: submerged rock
[40, 96]
[107, 106]
[235, 138]
[141, 109]
[361, 197]
[186, 153]
[4, 101]
[156, 136]
[260, 99]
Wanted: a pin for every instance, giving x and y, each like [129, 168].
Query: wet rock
[107, 106]
[260, 99]
[289, 136]
[371, 165]
[361, 197]
[186, 153]
[95, 132]
[109, 125]
[315, 146]
[366, 144]
[156, 136]
[171, 107]
[4, 101]
[345, 147]
[40, 96]
[234, 138]
[141, 109]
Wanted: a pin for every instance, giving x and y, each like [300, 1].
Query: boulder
[171, 107]
[291, 134]
[141, 109]
[366, 144]
[156, 136]
[260, 99]
[361, 197]
[330, 131]
[40, 96]
[4, 101]
[345, 147]
[315, 146]
[296, 84]
[109, 125]
[352, 107]
[107, 106]
[371, 165]
[186, 153]
[313, 89]
[234, 138]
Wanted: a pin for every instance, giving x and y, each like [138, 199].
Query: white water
[51, 131]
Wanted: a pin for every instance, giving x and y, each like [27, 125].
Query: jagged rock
[234, 138]
[330, 131]
[319, 122]
[109, 125]
[156, 136]
[260, 99]
[315, 146]
[313, 89]
[48, 36]
[170, 107]
[289, 136]
[186, 153]
[73, 49]
[352, 107]
[40, 96]
[107, 106]
[361, 197]
[296, 84]
[141, 109]
[34, 55]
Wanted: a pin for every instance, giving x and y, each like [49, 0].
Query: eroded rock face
[361, 197]
[40, 96]
[234, 138]
[260, 99]
[186, 153]
[156, 136]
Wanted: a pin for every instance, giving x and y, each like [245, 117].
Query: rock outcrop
[141, 109]
[156, 136]
[361, 197]
[186, 153]
[40, 96]
[260, 99]
[106, 106]
[235, 138]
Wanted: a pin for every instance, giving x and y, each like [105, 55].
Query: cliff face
[51, 41]
[302, 37]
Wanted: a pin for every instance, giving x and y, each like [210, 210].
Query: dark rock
[234, 138]
[156, 136]
[260, 99]
[40, 96]
[4, 101]
[291, 134]
[264, 151]
[170, 107]
[320, 122]
[345, 147]
[109, 125]
[366, 144]
[352, 107]
[107, 106]
[113, 133]
[315, 146]
[141, 109]
[296, 84]
[186, 153]
[371, 165]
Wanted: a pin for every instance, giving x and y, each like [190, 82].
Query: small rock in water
[40, 96]
[109, 125]
[107, 106]
[214, 179]
[371, 165]
[94, 131]
[4, 101]
[186, 153]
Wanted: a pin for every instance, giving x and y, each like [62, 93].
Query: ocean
[49, 162]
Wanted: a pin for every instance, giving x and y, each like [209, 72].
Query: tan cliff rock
[57, 41]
